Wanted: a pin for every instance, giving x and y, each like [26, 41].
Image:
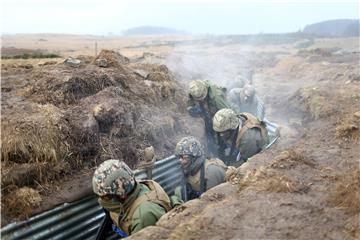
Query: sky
[102, 17]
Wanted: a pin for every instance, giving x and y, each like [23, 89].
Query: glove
[194, 111]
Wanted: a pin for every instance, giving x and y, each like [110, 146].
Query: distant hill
[338, 27]
[153, 30]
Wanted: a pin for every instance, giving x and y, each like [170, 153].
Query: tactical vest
[250, 122]
[156, 195]
[194, 180]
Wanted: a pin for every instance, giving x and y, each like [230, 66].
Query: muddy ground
[306, 186]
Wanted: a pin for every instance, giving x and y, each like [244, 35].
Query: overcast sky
[196, 16]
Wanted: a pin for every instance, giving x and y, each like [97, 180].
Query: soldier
[201, 174]
[243, 135]
[246, 100]
[132, 204]
[205, 99]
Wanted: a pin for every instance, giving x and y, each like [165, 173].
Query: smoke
[214, 64]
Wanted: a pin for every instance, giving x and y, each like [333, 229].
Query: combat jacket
[142, 210]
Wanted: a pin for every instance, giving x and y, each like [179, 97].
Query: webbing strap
[119, 232]
[202, 179]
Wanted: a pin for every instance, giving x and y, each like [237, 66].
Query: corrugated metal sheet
[81, 219]
[260, 109]
[273, 131]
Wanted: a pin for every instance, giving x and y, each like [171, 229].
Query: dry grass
[269, 181]
[289, 159]
[20, 202]
[55, 88]
[348, 130]
[346, 192]
[36, 138]
[113, 58]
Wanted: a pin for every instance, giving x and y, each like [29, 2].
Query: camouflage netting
[69, 118]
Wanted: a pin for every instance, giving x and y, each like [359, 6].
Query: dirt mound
[290, 158]
[152, 72]
[269, 181]
[313, 102]
[68, 88]
[113, 59]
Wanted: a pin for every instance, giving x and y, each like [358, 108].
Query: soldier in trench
[131, 204]
[205, 99]
[246, 100]
[243, 135]
[200, 173]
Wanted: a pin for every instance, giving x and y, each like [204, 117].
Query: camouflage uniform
[205, 99]
[245, 135]
[114, 178]
[201, 174]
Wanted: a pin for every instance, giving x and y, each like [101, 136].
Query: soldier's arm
[176, 199]
[147, 214]
[218, 97]
[220, 101]
[215, 175]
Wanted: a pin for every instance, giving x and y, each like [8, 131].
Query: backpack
[250, 122]
[156, 195]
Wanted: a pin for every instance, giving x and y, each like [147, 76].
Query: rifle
[105, 226]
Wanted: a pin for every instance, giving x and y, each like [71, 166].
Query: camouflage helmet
[189, 146]
[198, 89]
[225, 119]
[234, 95]
[113, 177]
